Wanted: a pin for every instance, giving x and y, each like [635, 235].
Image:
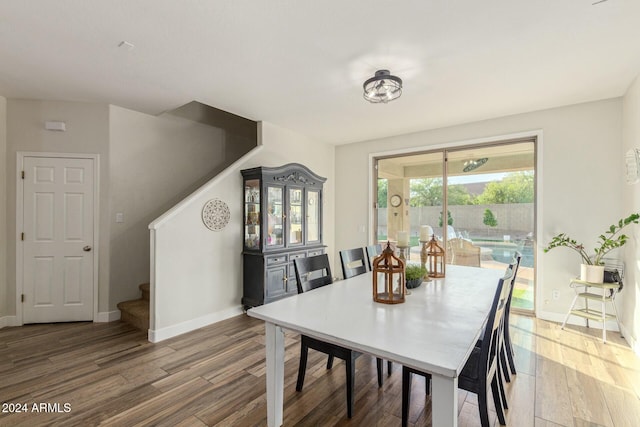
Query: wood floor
[85, 374]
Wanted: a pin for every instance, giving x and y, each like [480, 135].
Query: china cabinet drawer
[277, 259]
[315, 252]
[297, 255]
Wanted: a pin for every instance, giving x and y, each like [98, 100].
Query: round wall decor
[216, 214]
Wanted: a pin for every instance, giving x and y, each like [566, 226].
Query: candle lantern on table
[435, 258]
[425, 232]
[388, 278]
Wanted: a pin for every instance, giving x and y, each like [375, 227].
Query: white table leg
[275, 374]
[444, 401]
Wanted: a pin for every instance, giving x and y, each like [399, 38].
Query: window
[479, 201]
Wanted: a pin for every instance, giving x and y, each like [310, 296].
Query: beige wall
[516, 219]
[629, 299]
[87, 132]
[146, 165]
[154, 163]
[198, 272]
[579, 167]
[3, 208]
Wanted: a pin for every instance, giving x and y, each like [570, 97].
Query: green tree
[449, 218]
[428, 192]
[516, 187]
[489, 219]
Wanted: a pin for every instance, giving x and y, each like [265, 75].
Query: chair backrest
[492, 336]
[312, 272]
[514, 265]
[353, 262]
[372, 252]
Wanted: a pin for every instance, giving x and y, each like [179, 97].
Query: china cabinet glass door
[313, 216]
[252, 214]
[295, 216]
[275, 214]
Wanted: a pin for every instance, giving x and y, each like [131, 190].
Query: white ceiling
[300, 64]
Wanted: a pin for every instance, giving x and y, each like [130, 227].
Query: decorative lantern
[435, 258]
[388, 278]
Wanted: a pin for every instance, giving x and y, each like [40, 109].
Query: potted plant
[592, 268]
[413, 275]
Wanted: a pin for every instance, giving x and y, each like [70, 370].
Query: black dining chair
[507, 345]
[312, 273]
[503, 369]
[372, 252]
[481, 369]
[353, 262]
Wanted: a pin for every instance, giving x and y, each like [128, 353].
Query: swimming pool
[502, 252]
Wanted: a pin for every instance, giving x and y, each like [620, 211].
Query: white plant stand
[600, 293]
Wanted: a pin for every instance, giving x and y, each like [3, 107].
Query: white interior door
[58, 239]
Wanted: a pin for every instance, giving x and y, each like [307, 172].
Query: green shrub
[412, 272]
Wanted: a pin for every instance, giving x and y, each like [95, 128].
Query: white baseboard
[157, 335]
[635, 345]
[9, 321]
[108, 316]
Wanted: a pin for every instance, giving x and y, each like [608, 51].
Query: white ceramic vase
[592, 273]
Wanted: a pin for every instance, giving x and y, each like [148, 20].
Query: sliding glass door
[479, 202]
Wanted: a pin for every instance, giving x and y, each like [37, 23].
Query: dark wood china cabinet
[282, 222]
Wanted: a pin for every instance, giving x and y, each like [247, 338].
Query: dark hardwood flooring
[86, 374]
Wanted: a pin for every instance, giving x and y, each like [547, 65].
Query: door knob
[86, 248]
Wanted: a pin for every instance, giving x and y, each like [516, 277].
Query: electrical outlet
[555, 294]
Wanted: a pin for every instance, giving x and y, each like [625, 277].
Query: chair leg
[502, 356]
[496, 400]
[483, 408]
[389, 366]
[503, 395]
[427, 384]
[351, 375]
[304, 351]
[406, 394]
[379, 368]
[330, 362]
[509, 350]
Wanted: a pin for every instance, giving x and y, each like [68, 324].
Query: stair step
[144, 288]
[135, 312]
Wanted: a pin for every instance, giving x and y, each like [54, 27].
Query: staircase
[136, 312]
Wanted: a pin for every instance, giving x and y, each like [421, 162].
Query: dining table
[434, 330]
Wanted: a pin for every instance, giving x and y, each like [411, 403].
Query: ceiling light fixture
[470, 165]
[126, 45]
[382, 87]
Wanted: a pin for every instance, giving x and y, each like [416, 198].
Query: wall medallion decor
[215, 214]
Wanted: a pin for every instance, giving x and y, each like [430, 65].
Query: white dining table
[434, 330]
